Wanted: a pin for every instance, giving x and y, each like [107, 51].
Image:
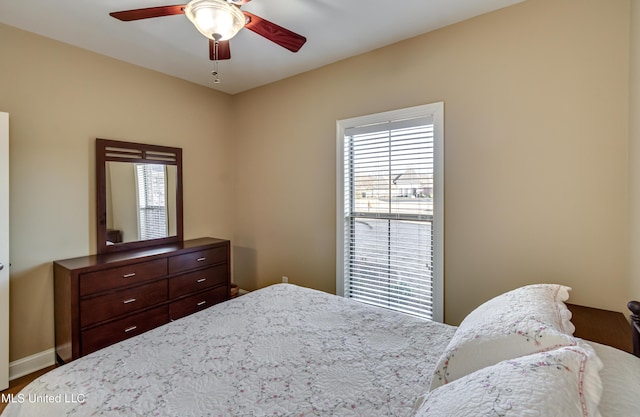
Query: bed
[291, 351]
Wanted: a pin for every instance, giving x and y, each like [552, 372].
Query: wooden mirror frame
[119, 151]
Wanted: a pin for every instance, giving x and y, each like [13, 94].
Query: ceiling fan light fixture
[216, 19]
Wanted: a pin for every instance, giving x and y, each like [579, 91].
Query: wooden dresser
[103, 299]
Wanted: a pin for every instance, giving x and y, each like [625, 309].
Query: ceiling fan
[220, 20]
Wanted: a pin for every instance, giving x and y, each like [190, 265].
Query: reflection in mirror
[138, 195]
[141, 201]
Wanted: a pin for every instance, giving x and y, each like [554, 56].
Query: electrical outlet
[285, 279]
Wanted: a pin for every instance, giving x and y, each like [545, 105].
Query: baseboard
[30, 364]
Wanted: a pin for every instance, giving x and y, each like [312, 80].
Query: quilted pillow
[562, 382]
[526, 320]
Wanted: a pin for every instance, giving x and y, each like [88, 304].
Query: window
[390, 210]
[152, 201]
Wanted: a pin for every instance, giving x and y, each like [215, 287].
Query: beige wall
[634, 151]
[60, 98]
[536, 137]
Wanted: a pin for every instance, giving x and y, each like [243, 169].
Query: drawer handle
[201, 280]
[201, 259]
[133, 274]
[130, 300]
[130, 329]
[201, 303]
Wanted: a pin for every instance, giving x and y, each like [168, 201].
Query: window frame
[436, 112]
[141, 172]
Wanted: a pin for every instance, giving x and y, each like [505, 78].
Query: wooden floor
[17, 384]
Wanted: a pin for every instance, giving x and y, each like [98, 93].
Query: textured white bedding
[620, 382]
[280, 351]
[283, 350]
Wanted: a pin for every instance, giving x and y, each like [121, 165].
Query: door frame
[4, 250]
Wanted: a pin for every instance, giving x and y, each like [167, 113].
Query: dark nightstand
[602, 326]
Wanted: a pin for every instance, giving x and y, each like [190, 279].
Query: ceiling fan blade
[283, 37]
[137, 14]
[224, 52]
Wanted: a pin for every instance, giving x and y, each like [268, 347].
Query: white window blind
[388, 240]
[152, 201]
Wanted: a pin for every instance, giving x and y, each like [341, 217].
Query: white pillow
[526, 320]
[563, 382]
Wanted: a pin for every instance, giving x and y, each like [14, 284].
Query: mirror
[139, 195]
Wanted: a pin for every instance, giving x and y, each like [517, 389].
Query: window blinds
[388, 253]
[152, 204]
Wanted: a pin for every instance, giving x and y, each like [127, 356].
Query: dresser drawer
[197, 281]
[122, 329]
[197, 302]
[115, 304]
[197, 259]
[109, 279]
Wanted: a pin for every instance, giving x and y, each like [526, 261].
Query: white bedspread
[280, 351]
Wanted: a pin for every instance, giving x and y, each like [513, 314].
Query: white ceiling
[335, 29]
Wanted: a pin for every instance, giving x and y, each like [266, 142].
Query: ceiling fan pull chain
[216, 79]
